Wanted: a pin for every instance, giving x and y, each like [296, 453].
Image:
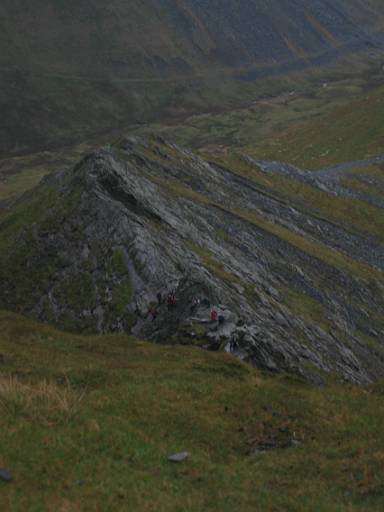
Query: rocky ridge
[91, 248]
[327, 179]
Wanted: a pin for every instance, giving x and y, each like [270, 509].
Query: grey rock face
[5, 475]
[327, 179]
[148, 217]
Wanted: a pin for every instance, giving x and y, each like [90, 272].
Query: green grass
[314, 248]
[22, 286]
[29, 283]
[301, 304]
[211, 263]
[352, 214]
[87, 423]
[22, 173]
[303, 122]
[371, 341]
[348, 132]
[15, 185]
[367, 180]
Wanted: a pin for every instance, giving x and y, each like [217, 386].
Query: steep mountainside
[151, 38]
[59, 59]
[298, 289]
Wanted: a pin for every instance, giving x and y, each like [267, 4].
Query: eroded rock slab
[145, 237]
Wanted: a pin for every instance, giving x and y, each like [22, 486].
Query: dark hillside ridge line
[140, 60]
[160, 38]
[91, 247]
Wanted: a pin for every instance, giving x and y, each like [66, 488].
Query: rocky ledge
[145, 237]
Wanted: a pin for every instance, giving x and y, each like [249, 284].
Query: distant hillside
[71, 67]
[152, 38]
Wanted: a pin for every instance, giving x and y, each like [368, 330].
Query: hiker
[205, 302]
[138, 311]
[213, 315]
[171, 300]
[195, 304]
[221, 319]
[153, 314]
[233, 343]
[215, 344]
[159, 298]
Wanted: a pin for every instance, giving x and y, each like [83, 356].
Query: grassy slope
[354, 214]
[367, 180]
[138, 39]
[22, 173]
[88, 423]
[270, 124]
[350, 132]
[313, 127]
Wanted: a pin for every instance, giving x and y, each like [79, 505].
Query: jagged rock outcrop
[328, 179]
[91, 248]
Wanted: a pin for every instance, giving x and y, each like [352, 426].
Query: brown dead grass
[44, 400]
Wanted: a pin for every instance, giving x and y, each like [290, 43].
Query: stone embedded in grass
[5, 475]
[178, 457]
[257, 452]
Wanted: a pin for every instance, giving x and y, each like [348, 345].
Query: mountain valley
[143, 61]
[191, 255]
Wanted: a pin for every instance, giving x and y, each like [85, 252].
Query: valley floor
[88, 423]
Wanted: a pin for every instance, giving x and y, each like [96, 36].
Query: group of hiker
[215, 317]
[197, 302]
[171, 301]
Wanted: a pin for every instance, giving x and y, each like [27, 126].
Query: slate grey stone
[179, 457]
[5, 475]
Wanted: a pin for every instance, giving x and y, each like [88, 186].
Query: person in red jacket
[153, 314]
[213, 315]
[171, 300]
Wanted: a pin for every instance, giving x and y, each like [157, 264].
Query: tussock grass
[42, 401]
